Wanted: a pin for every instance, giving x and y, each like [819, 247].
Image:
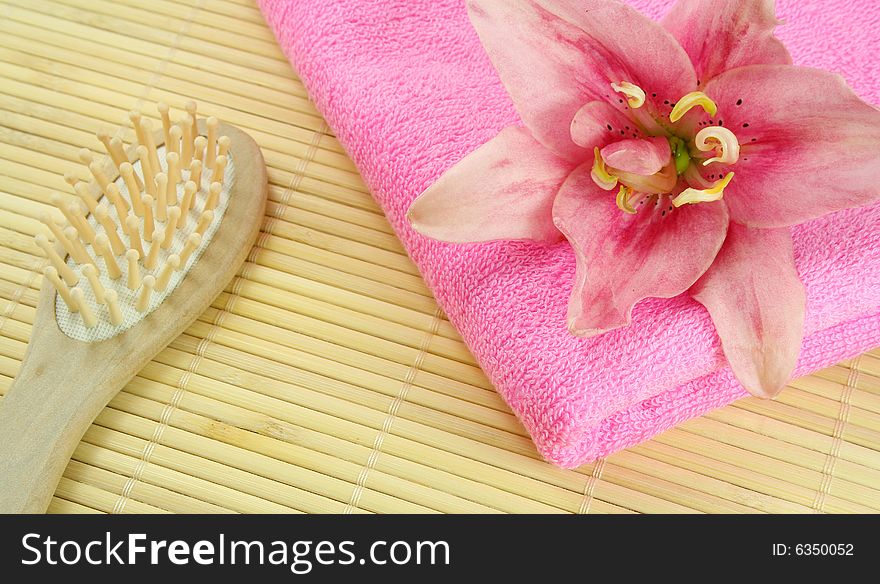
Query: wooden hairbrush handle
[43, 416]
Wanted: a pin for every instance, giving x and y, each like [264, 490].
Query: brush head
[132, 247]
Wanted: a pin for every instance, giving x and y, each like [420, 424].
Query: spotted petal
[502, 190]
[624, 258]
[720, 35]
[757, 303]
[553, 56]
[598, 123]
[809, 145]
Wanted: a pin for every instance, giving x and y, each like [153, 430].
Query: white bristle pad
[72, 323]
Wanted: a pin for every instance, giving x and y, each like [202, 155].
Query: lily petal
[553, 56]
[808, 144]
[757, 303]
[623, 258]
[720, 35]
[502, 190]
[597, 123]
[644, 157]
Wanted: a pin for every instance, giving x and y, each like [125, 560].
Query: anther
[634, 94]
[714, 193]
[690, 101]
[599, 173]
[623, 203]
[711, 138]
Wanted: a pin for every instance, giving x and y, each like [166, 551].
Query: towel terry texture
[409, 91]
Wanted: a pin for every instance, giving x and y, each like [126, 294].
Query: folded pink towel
[409, 91]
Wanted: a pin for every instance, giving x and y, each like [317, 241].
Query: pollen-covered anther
[690, 101]
[635, 95]
[714, 193]
[722, 141]
[600, 174]
[623, 200]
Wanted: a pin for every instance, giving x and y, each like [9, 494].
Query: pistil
[679, 154]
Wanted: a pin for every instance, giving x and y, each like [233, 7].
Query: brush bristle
[147, 213]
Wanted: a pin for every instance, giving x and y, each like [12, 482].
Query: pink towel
[409, 91]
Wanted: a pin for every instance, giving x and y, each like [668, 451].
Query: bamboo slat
[325, 379]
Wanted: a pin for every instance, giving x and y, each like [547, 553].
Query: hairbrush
[149, 241]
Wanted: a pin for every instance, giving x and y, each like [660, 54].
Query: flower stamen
[635, 95]
[714, 193]
[690, 101]
[600, 174]
[623, 197]
[715, 137]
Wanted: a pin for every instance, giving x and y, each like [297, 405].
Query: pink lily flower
[673, 156]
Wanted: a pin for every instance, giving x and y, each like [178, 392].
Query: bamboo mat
[325, 378]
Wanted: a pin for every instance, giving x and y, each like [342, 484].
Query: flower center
[649, 167]
[680, 154]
